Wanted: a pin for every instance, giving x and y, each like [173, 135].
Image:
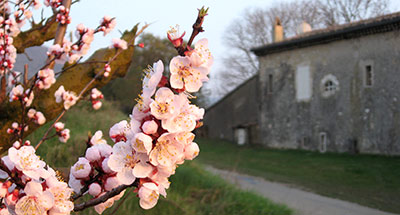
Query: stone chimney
[277, 31]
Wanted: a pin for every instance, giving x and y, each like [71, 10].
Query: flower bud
[94, 189]
[149, 127]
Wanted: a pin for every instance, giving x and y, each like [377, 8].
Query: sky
[162, 14]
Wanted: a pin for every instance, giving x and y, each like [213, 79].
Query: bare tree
[254, 29]
[344, 11]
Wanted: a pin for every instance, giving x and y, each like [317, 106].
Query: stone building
[332, 89]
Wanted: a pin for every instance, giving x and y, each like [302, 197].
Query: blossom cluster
[68, 97]
[71, 52]
[39, 189]
[95, 96]
[62, 133]
[156, 139]
[62, 12]
[10, 27]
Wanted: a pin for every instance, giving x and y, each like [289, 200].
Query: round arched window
[329, 85]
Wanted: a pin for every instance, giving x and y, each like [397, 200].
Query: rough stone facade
[356, 117]
[328, 90]
[237, 110]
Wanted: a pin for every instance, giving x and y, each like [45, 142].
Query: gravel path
[302, 202]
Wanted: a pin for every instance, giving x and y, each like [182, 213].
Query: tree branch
[75, 79]
[103, 198]
[37, 35]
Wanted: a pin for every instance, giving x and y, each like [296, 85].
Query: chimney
[277, 31]
[303, 28]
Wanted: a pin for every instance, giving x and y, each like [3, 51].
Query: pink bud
[111, 183]
[105, 167]
[94, 189]
[96, 104]
[17, 144]
[149, 127]
[92, 154]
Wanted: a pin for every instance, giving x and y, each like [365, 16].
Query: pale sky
[165, 13]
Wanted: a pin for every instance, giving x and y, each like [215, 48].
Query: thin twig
[103, 198]
[49, 129]
[120, 203]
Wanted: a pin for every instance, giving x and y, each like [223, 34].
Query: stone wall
[239, 109]
[355, 117]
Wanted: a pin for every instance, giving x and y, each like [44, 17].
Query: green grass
[369, 180]
[80, 120]
[193, 190]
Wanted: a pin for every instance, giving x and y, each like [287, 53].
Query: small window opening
[322, 142]
[329, 86]
[270, 83]
[368, 75]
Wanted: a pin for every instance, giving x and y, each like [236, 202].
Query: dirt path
[302, 202]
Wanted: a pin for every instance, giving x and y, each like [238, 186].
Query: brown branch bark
[103, 198]
[75, 80]
[2, 88]
[37, 35]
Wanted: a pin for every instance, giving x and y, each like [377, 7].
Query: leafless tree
[254, 29]
[344, 11]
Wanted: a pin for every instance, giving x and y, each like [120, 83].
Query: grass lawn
[369, 180]
[193, 191]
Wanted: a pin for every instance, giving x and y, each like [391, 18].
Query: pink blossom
[128, 164]
[152, 77]
[36, 200]
[26, 161]
[16, 93]
[119, 44]
[39, 118]
[185, 75]
[59, 126]
[31, 113]
[166, 151]
[201, 55]
[45, 79]
[107, 24]
[184, 121]
[68, 97]
[191, 151]
[62, 194]
[97, 138]
[142, 143]
[165, 104]
[64, 135]
[81, 169]
[148, 194]
[118, 131]
[74, 183]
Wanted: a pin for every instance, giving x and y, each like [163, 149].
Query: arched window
[329, 85]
